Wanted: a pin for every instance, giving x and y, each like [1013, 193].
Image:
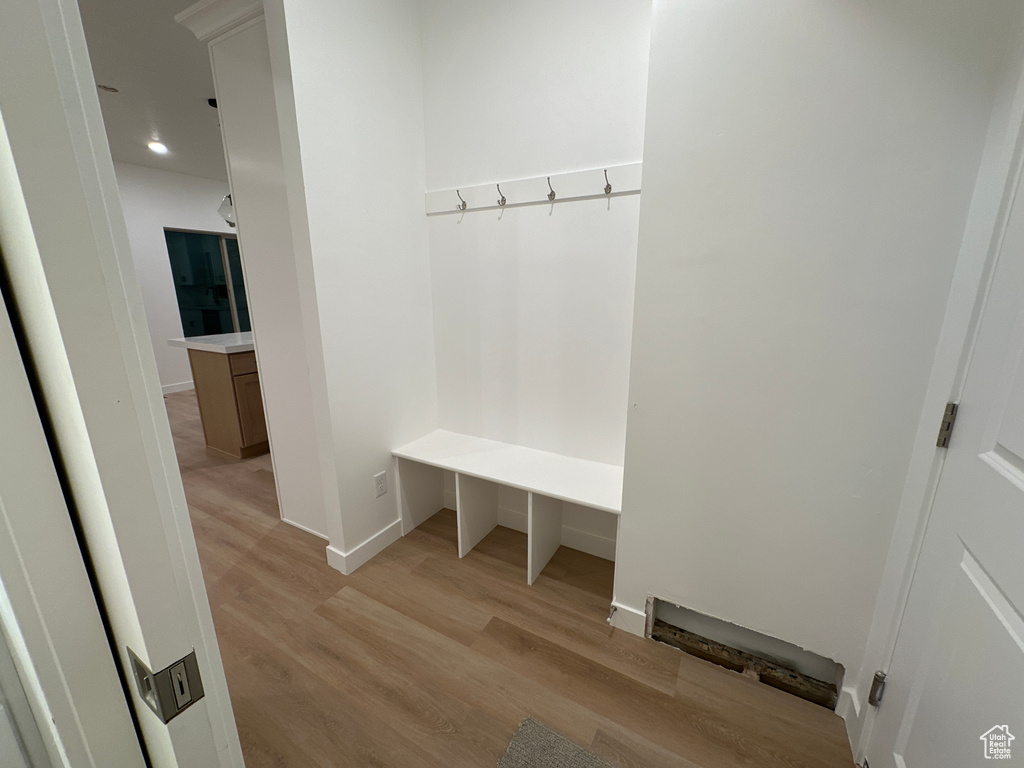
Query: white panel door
[61, 701]
[956, 683]
[72, 285]
[12, 753]
[21, 743]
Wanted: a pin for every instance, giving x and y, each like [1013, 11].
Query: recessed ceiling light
[157, 147]
[107, 88]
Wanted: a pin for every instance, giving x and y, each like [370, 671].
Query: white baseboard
[628, 619]
[849, 708]
[302, 527]
[181, 386]
[588, 542]
[512, 518]
[347, 562]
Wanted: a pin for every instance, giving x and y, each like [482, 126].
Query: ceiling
[162, 73]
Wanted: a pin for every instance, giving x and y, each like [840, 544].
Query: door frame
[74, 290]
[998, 177]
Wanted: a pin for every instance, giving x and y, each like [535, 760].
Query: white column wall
[808, 171]
[356, 76]
[245, 95]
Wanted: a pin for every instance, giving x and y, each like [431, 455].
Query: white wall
[245, 92]
[533, 306]
[532, 318]
[152, 200]
[808, 171]
[355, 68]
[529, 88]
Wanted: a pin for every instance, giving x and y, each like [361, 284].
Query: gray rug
[534, 746]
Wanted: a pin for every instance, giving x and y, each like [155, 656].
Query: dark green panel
[199, 283]
[238, 283]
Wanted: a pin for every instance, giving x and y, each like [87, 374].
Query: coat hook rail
[573, 186]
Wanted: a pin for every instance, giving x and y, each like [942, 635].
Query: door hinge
[946, 427]
[877, 689]
[170, 691]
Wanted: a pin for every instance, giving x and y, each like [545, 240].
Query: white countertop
[224, 343]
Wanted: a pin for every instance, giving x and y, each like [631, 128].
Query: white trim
[628, 619]
[347, 562]
[302, 527]
[849, 708]
[208, 19]
[181, 386]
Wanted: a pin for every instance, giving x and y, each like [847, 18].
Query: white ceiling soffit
[208, 19]
[163, 77]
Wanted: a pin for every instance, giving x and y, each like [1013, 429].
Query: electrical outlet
[380, 482]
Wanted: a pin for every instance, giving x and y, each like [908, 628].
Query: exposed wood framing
[768, 671]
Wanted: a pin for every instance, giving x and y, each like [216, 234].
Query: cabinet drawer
[242, 362]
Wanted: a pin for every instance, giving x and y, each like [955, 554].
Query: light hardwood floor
[422, 659]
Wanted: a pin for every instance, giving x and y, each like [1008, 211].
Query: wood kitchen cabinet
[230, 402]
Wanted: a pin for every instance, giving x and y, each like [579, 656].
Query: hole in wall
[771, 661]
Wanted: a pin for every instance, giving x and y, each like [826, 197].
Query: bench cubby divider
[482, 467]
[476, 504]
[544, 533]
[420, 491]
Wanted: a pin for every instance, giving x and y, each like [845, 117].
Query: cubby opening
[510, 486]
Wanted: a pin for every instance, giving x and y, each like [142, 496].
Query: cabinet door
[250, 409]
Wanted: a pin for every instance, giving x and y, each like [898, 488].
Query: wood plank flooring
[423, 659]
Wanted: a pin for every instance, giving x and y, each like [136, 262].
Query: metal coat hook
[462, 203]
[501, 200]
[607, 184]
[551, 194]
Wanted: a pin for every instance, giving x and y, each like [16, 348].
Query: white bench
[480, 466]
